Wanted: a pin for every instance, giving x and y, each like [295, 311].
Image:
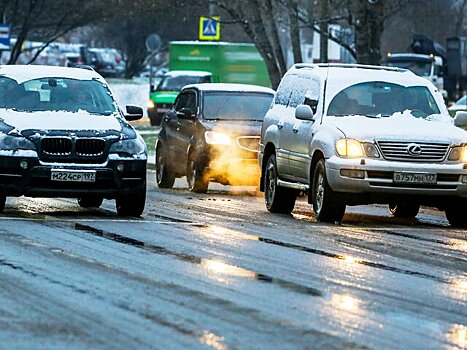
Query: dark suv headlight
[15, 143]
[132, 147]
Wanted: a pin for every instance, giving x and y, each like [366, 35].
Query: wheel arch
[268, 150]
[317, 156]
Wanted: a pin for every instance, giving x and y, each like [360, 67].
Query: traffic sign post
[153, 42]
[209, 28]
[4, 36]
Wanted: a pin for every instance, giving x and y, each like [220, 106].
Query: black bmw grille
[57, 146]
[90, 147]
[73, 150]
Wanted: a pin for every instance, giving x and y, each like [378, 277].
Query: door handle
[280, 125]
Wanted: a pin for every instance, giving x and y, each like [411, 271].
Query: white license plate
[73, 176]
[415, 178]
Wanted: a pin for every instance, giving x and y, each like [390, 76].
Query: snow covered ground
[134, 92]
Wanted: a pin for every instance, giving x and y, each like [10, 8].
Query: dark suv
[212, 134]
[63, 135]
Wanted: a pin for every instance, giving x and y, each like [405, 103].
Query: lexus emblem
[414, 149]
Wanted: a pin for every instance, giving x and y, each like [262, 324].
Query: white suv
[351, 135]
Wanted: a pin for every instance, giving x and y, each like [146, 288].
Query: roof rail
[347, 65]
[84, 66]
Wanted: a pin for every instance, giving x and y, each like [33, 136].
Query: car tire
[131, 205]
[90, 202]
[278, 199]
[404, 210]
[327, 205]
[196, 175]
[455, 213]
[2, 203]
[164, 178]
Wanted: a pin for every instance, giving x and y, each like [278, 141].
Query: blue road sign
[5, 34]
[209, 28]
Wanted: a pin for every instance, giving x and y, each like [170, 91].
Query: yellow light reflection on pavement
[458, 335]
[345, 302]
[217, 268]
[213, 341]
[219, 230]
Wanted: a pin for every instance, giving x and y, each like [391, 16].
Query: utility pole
[324, 29]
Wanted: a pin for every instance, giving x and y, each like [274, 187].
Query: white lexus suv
[352, 134]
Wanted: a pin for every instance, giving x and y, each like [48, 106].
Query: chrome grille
[250, 143]
[428, 151]
[58, 146]
[90, 147]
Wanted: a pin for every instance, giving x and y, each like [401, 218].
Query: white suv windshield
[383, 99]
[56, 94]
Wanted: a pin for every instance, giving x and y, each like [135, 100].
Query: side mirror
[304, 112]
[185, 113]
[133, 113]
[460, 119]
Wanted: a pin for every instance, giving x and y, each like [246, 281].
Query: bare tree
[369, 26]
[47, 20]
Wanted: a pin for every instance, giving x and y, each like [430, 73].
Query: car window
[304, 91]
[236, 105]
[420, 68]
[383, 99]
[462, 101]
[176, 83]
[284, 91]
[56, 94]
[186, 100]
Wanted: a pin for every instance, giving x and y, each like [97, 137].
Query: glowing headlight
[458, 153]
[349, 148]
[217, 138]
[151, 104]
[132, 147]
[14, 143]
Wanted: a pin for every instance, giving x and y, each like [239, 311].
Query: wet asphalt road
[217, 271]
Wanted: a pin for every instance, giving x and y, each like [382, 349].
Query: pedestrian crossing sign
[209, 28]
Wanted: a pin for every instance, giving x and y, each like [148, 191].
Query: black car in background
[212, 134]
[63, 135]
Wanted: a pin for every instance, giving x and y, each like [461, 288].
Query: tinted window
[56, 94]
[235, 105]
[420, 68]
[176, 83]
[385, 99]
[186, 100]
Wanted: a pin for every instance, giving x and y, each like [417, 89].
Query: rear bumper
[35, 180]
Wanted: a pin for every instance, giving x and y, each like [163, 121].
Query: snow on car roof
[353, 71]
[193, 73]
[230, 87]
[22, 73]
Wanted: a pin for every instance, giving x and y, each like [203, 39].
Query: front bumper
[378, 178]
[35, 180]
[231, 165]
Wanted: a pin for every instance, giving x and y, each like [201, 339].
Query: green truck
[193, 62]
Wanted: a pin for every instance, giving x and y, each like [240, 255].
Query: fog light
[355, 174]
[23, 164]
[120, 167]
